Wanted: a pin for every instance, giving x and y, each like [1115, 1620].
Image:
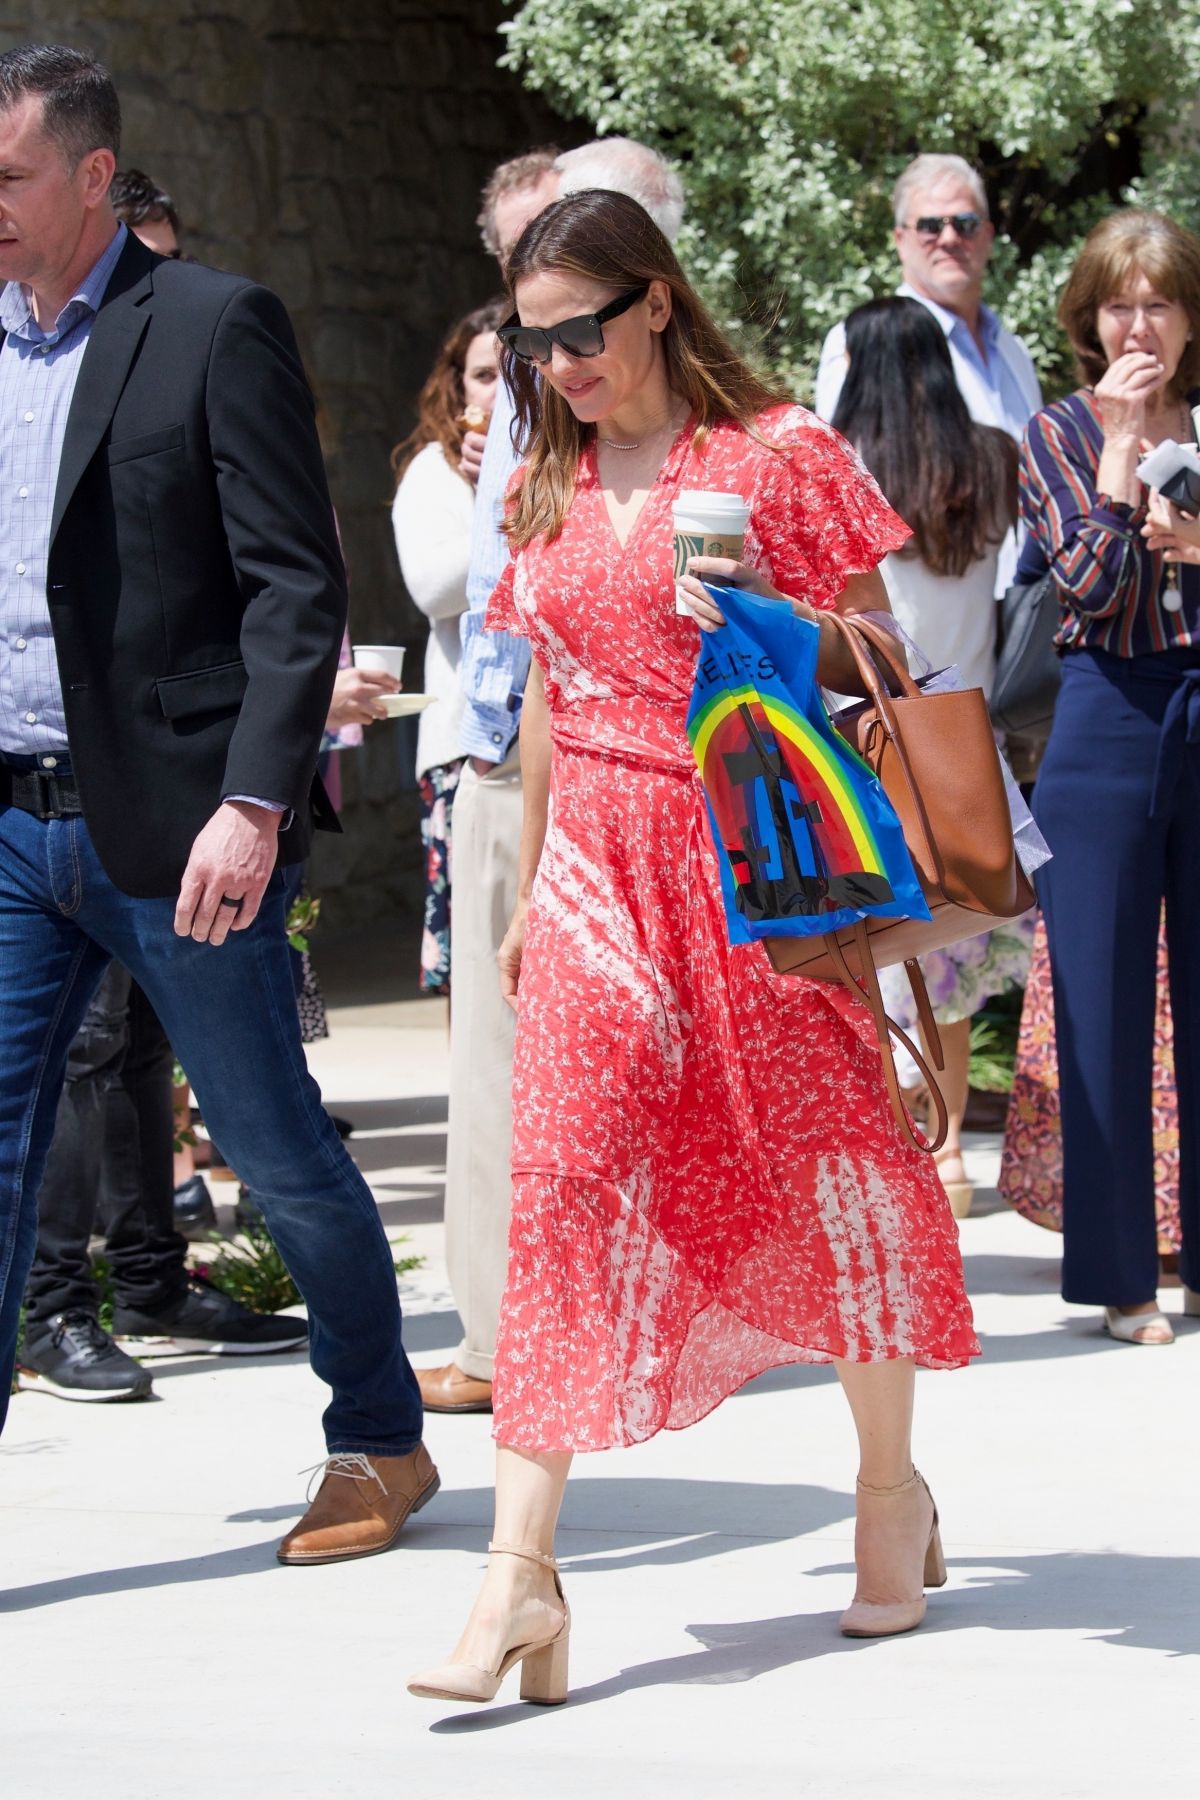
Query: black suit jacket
[196, 586]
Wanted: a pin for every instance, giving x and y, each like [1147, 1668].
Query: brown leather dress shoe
[448, 1390]
[360, 1506]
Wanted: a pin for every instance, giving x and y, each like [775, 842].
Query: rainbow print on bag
[808, 840]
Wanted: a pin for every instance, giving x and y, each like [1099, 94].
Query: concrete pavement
[154, 1650]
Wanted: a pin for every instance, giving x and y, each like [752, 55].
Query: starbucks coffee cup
[707, 525]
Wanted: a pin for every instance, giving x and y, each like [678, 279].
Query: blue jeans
[230, 1013]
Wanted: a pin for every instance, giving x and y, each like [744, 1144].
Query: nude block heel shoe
[544, 1672]
[865, 1619]
[543, 1662]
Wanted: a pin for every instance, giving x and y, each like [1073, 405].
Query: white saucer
[397, 705]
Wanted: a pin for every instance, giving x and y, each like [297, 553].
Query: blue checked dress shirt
[494, 664]
[38, 371]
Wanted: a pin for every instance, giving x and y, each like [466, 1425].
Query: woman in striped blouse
[1118, 797]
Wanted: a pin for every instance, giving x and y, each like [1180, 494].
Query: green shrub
[250, 1269]
[790, 120]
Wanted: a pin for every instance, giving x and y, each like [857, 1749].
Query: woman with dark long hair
[707, 1180]
[955, 484]
[431, 518]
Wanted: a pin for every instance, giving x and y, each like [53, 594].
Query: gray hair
[509, 178]
[624, 166]
[936, 171]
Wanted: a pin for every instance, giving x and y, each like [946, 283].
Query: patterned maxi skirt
[707, 1178]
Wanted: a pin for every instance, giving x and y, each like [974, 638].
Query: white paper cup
[387, 658]
[707, 525]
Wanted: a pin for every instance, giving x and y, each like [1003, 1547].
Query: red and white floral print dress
[707, 1178]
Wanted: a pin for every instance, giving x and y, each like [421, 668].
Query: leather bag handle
[853, 630]
[885, 1028]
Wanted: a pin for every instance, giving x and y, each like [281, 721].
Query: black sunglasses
[965, 224]
[583, 336]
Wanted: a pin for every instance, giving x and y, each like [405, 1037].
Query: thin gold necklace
[612, 444]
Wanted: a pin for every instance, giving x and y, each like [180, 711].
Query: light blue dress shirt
[494, 664]
[1005, 373]
[38, 372]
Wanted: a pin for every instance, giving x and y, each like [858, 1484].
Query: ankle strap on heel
[901, 1487]
[537, 1556]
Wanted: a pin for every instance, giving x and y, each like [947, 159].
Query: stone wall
[336, 153]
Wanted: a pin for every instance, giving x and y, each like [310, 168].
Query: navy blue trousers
[1118, 800]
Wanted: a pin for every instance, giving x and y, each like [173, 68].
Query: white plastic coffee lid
[695, 500]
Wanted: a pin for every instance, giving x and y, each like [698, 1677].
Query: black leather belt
[45, 794]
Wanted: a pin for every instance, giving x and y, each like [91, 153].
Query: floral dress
[707, 1178]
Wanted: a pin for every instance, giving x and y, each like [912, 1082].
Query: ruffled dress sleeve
[817, 513]
[502, 613]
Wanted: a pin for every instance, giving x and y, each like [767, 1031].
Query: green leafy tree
[791, 120]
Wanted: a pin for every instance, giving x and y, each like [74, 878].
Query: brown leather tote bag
[936, 757]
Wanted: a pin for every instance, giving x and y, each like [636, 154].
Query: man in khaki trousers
[487, 806]
[487, 832]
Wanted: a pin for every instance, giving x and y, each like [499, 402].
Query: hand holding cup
[722, 571]
[356, 697]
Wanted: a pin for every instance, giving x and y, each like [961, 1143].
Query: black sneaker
[75, 1359]
[206, 1319]
[195, 1214]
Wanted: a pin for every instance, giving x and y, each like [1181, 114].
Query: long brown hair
[610, 238]
[440, 402]
[954, 483]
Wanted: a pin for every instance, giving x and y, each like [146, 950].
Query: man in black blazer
[173, 599]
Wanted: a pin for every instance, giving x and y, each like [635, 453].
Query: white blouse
[431, 517]
[951, 617]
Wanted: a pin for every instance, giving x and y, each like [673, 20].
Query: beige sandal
[1125, 1327]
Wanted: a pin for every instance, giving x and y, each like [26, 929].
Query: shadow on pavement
[987, 1273]
[624, 1522]
[418, 1205]
[1074, 1337]
[1138, 1602]
[399, 1150]
[705, 1518]
[393, 1115]
[424, 1332]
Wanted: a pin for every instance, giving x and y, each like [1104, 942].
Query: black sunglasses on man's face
[965, 225]
[582, 336]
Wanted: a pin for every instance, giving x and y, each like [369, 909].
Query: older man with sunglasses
[944, 239]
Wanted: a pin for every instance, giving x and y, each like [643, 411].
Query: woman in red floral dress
[707, 1179]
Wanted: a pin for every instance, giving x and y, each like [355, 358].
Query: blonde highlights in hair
[1121, 247]
[609, 238]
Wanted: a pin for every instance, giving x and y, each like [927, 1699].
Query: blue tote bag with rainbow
[807, 840]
